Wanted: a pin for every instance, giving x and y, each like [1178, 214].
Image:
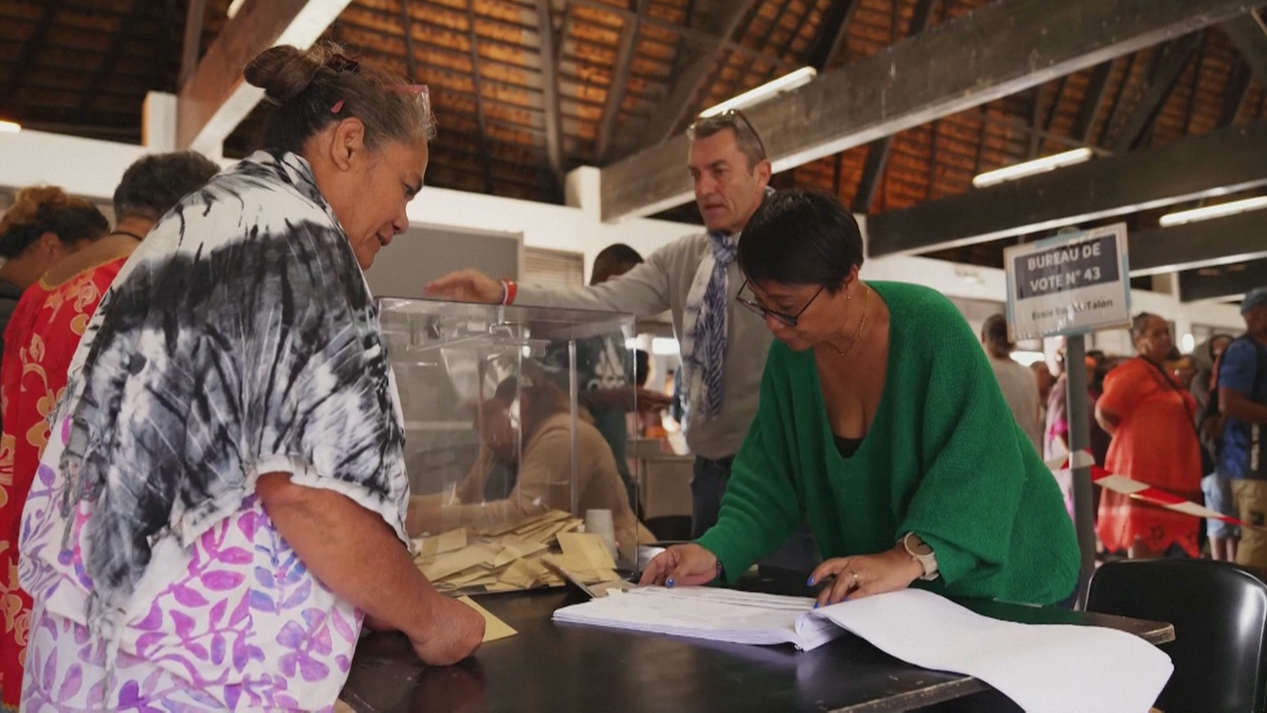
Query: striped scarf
[704, 327]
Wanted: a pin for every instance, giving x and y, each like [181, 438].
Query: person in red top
[42, 337]
[1150, 417]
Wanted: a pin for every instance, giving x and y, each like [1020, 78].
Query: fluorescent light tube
[1213, 211]
[1029, 168]
[786, 83]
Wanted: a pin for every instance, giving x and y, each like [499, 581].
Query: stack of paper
[506, 558]
[1040, 667]
[707, 613]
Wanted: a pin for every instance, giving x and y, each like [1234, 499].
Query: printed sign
[1069, 284]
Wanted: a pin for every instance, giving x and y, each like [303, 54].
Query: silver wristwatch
[921, 553]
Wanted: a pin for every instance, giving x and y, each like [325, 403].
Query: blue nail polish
[809, 582]
[846, 599]
[668, 583]
[815, 605]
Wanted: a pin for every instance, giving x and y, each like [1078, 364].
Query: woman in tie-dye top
[230, 448]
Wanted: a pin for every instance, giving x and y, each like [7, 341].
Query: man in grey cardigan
[723, 345]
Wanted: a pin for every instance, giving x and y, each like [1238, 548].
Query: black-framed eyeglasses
[790, 320]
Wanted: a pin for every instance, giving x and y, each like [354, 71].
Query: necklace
[129, 234]
[866, 293]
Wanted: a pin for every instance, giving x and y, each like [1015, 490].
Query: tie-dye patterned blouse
[239, 339]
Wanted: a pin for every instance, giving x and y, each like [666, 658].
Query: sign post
[1069, 285]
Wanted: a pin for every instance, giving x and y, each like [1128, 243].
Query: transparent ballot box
[513, 418]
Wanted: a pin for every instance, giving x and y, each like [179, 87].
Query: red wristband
[510, 290]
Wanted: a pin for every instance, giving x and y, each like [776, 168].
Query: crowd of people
[202, 479]
[1187, 424]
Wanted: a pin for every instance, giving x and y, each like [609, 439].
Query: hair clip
[338, 106]
[339, 63]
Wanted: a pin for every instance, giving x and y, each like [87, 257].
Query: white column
[158, 122]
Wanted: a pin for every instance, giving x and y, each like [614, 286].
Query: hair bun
[27, 203]
[283, 72]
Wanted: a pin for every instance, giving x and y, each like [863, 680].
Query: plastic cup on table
[600, 523]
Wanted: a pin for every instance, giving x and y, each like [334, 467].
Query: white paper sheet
[1056, 668]
[708, 613]
[1042, 668]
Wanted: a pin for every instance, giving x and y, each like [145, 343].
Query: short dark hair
[746, 136]
[154, 184]
[801, 237]
[618, 254]
[311, 89]
[994, 334]
[48, 209]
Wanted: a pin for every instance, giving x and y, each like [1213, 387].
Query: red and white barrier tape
[1141, 491]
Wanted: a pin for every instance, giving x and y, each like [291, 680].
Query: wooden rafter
[473, 42]
[1249, 34]
[30, 49]
[691, 78]
[1217, 163]
[117, 42]
[216, 98]
[1093, 100]
[878, 152]
[620, 80]
[693, 34]
[1236, 93]
[1168, 69]
[411, 57]
[833, 35]
[195, 14]
[550, 93]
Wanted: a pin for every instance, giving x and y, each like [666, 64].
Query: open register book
[1034, 665]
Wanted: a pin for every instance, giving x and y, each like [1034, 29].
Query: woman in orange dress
[42, 336]
[1150, 417]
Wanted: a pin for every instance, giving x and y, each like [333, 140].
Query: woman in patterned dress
[42, 336]
[43, 226]
[230, 450]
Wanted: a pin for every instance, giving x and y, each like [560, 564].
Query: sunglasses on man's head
[790, 320]
[731, 114]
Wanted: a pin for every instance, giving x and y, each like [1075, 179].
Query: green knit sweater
[944, 459]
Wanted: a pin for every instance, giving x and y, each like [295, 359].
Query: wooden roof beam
[691, 77]
[1172, 64]
[690, 33]
[1212, 164]
[833, 35]
[30, 48]
[1218, 241]
[550, 94]
[106, 69]
[998, 50]
[195, 14]
[1092, 101]
[620, 80]
[878, 152]
[1249, 33]
[1224, 285]
[216, 98]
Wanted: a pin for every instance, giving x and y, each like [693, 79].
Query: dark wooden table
[564, 668]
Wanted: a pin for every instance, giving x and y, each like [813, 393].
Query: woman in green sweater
[881, 425]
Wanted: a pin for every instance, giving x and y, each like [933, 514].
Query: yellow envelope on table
[494, 628]
[587, 547]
